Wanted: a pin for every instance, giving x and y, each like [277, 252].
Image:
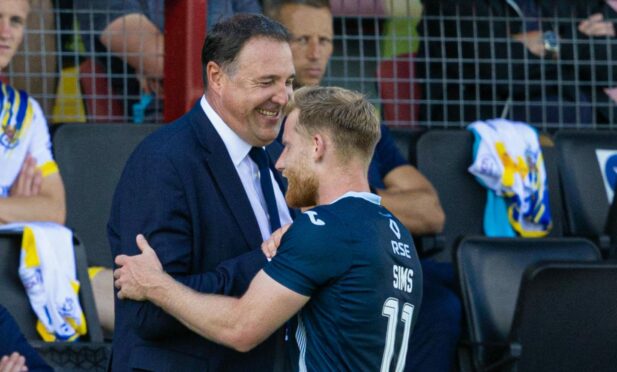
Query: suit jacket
[181, 190]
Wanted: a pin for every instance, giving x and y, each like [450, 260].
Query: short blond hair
[347, 115]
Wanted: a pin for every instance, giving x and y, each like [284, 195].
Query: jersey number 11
[390, 310]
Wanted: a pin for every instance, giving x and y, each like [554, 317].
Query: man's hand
[28, 182]
[271, 245]
[13, 363]
[137, 274]
[595, 25]
[151, 85]
[533, 41]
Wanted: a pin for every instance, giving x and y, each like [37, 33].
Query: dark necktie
[260, 158]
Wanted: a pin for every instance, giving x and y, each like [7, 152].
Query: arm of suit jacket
[153, 198]
[232, 277]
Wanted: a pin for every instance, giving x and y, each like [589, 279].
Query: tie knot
[259, 156]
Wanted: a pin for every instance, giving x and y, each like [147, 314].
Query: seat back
[406, 141]
[91, 158]
[444, 156]
[566, 318]
[490, 272]
[585, 197]
[400, 94]
[14, 298]
[611, 224]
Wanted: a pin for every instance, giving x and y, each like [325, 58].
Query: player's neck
[338, 182]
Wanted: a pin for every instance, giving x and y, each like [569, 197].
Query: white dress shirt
[248, 172]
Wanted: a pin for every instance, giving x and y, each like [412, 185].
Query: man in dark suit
[194, 190]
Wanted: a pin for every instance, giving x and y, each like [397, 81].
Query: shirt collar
[368, 196]
[238, 148]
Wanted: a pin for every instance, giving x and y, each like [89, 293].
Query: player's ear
[319, 146]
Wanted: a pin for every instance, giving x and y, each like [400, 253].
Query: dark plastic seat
[89, 353]
[444, 157]
[91, 158]
[566, 318]
[585, 198]
[407, 140]
[611, 224]
[15, 299]
[490, 272]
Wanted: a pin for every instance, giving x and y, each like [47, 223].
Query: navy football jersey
[358, 264]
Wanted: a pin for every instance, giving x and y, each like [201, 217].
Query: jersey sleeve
[312, 253]
[40, 145]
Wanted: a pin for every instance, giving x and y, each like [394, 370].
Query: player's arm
[136, 40]
[413, 200]
[240, 323]
[34, 196]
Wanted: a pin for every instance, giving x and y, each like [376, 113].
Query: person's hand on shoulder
[271, 245]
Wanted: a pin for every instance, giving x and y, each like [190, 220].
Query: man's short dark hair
[273, 7]
[224, 42]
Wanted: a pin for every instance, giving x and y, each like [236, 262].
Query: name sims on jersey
[403, 278]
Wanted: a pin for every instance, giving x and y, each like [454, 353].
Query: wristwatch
[551, 44]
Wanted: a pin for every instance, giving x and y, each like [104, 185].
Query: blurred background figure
[125, 44]
[519, 59]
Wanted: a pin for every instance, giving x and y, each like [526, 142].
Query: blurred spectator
[534, 61]
[126, 37]
[31, 188]
[219, 10]
[34, 66]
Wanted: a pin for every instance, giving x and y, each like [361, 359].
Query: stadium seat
[400, 95]
[14, 296]
[566, 318]
[443, 157]
[89, 353]
[611, 223]
[91, 158]
[406, 141]
[585, 196]
[490, 272]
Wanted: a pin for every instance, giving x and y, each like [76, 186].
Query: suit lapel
[225, 176]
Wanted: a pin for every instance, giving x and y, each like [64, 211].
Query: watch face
[551, 42]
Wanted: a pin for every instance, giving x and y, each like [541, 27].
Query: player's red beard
[302, 189]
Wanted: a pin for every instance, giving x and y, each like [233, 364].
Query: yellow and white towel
[508, 162]
[48, 271]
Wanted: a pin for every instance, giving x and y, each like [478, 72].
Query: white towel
[48, 271]
[508, 160]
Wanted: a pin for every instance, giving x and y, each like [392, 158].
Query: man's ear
[215, 75]
[320, 146]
